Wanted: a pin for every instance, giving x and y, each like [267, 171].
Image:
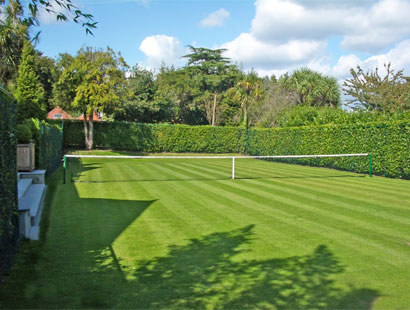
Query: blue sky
[123, 25]
[269, 36]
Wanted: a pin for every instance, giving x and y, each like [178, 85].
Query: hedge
[8, 181]
[49, 144]
[157, 137]
[389, 143]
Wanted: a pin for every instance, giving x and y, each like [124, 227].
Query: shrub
[49, 143]
[24, 134]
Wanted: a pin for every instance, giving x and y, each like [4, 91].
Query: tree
[46, 71]
[29, 92]
[63, 93]
[13, 33]
[312, 88]
[275, 100]
[247, 91]
[179, 92]
[98, 80]
[64, 10]
[373, 92]
[15, 25]
[214, 75]
[139, 104]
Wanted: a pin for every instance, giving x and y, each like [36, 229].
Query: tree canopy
[214, 75]
[29, 92]
[371, 91]
[13, 33]
[312, 88]
[97, 80]
[247, 92]
[70, 12]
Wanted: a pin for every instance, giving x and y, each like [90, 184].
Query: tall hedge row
[389, 143]
[8, 181]
[158, 137]
[48, 138]
[50, 145]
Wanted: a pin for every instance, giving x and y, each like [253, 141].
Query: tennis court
[181, 233]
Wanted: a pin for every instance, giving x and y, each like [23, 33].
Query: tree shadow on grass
[79, 268]
[76, 168]
[204, 274]
[66, 268]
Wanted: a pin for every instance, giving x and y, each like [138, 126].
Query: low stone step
[30, 207]
[22, 187]
[37, 218]
[34, 233]
[38, 176]
[32, 199]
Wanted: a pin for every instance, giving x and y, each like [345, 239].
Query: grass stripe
[293, 203]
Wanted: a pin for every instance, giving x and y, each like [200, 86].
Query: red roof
[96, 118]
[58, 113]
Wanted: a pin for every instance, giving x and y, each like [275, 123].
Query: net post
[370, 165]
[233, 168]
[64, 168]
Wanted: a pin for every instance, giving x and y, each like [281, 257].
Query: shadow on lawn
[76, 168]
[204, 274]
[81, 270]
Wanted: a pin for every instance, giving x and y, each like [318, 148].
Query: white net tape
[220, 157]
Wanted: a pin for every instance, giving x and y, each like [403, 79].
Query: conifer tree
[29, 92]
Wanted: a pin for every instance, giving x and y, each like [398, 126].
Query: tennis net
[124, 168]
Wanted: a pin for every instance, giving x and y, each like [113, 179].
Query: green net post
[370, 165]
[64, 168]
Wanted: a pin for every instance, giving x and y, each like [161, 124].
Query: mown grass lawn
[177, 234]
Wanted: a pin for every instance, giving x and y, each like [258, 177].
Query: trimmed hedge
[389, 143]
[24, 134]
[49, 144]
[8, 181]
[157, 137]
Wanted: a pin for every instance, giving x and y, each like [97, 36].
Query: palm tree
[247, 92]
[312, 88]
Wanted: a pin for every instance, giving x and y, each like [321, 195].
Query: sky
[267, 36]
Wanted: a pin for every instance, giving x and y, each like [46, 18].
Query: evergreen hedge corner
[8, 181]
[48, 138]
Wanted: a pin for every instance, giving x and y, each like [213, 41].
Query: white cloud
[399, 57]
[281, 20]
[251, 52]
[342, 69]
[364, 26]
[288, 34]
[162, 49]
[215, 19]
[387, 22]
